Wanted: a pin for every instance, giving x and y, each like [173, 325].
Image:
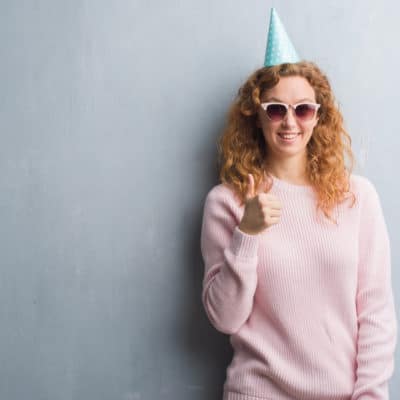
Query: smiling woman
[306, 296]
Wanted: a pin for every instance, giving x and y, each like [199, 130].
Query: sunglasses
[278, 111]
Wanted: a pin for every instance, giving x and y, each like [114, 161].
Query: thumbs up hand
[261, 209]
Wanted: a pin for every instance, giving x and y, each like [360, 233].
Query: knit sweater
[308, 304]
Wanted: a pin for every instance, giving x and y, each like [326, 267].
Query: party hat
[279, 47]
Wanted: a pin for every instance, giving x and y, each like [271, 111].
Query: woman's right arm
[230, 259]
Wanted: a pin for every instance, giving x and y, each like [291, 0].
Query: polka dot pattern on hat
[279, 46]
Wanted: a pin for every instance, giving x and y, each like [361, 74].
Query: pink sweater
[308, 304]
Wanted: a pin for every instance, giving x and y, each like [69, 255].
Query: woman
[296, 249]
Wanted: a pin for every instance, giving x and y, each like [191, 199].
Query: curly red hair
[242, 149]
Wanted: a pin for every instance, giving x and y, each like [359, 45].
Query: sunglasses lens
[276, 112]
[305, 111]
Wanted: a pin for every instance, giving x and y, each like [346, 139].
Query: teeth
[288, 136]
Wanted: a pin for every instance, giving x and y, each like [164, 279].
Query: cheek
[314, 124]
[270, 131]
[309, 128]
[266, 127]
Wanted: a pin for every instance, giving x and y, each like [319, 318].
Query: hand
[261, 209]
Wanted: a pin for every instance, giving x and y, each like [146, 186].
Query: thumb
[250, 187]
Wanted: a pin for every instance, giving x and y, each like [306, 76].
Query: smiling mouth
[288, 136]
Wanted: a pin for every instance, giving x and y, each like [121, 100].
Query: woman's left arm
[377, 325]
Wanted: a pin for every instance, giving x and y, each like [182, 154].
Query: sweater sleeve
[230, 260]
[377, 326]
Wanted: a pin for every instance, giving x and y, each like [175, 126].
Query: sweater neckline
[290, 187]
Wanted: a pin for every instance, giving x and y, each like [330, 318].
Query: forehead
[290, 89]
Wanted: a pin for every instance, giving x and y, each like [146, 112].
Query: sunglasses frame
[294, 106]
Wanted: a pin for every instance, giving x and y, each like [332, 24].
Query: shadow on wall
[210, 349]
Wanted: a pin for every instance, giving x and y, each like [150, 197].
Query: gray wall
[109, 114]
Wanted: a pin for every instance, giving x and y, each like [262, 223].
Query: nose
[290, 118]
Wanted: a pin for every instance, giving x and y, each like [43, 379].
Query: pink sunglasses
[278, 111]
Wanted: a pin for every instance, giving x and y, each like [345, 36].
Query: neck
[290, 170]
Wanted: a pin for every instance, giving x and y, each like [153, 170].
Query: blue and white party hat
[279, 47]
